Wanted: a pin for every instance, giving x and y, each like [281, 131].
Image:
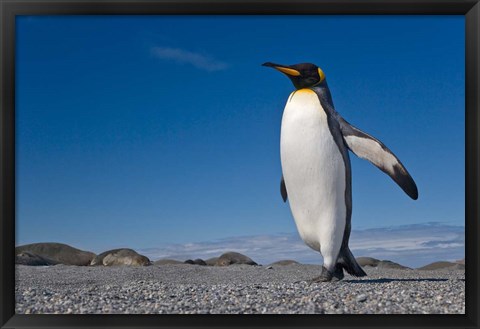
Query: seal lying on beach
[122, 256]
[373, 262]
[285, 262]
[28, 258]
[211, 261]
[58, 252]
[230, 258]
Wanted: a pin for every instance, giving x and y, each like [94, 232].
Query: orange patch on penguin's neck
[301, 92]
[305, 90]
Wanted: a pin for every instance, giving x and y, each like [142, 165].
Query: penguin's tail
[349, 263]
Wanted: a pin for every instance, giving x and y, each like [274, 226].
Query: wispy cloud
[198, 60]
[410, 245]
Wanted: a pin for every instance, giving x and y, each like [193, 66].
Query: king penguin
[317, 179]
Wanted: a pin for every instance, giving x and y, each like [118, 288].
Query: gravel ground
[235, 289]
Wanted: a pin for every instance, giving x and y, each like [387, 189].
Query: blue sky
[156, 131]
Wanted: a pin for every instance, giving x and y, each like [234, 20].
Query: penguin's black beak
[269, 64]
[286, 69]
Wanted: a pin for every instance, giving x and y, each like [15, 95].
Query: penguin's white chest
[313, 170]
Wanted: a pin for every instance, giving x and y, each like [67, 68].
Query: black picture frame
[9, 9]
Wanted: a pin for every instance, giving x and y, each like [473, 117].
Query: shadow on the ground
[385, 280]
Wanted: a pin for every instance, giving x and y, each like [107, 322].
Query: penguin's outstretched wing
[371, 149]
[283, 190]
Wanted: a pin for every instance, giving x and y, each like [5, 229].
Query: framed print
[239, 164]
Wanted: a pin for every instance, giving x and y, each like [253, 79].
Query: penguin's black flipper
[283, 190]
[371, 149]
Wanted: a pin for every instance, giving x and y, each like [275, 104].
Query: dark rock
[122, 256]
[230, 258]
[58, 252]
[197, 261]
[27, 258]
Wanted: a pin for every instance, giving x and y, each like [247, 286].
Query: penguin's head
[303, 75]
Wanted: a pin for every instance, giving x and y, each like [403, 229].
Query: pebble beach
[238, 289]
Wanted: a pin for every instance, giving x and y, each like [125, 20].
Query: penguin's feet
[338, 274]
[327, 276]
